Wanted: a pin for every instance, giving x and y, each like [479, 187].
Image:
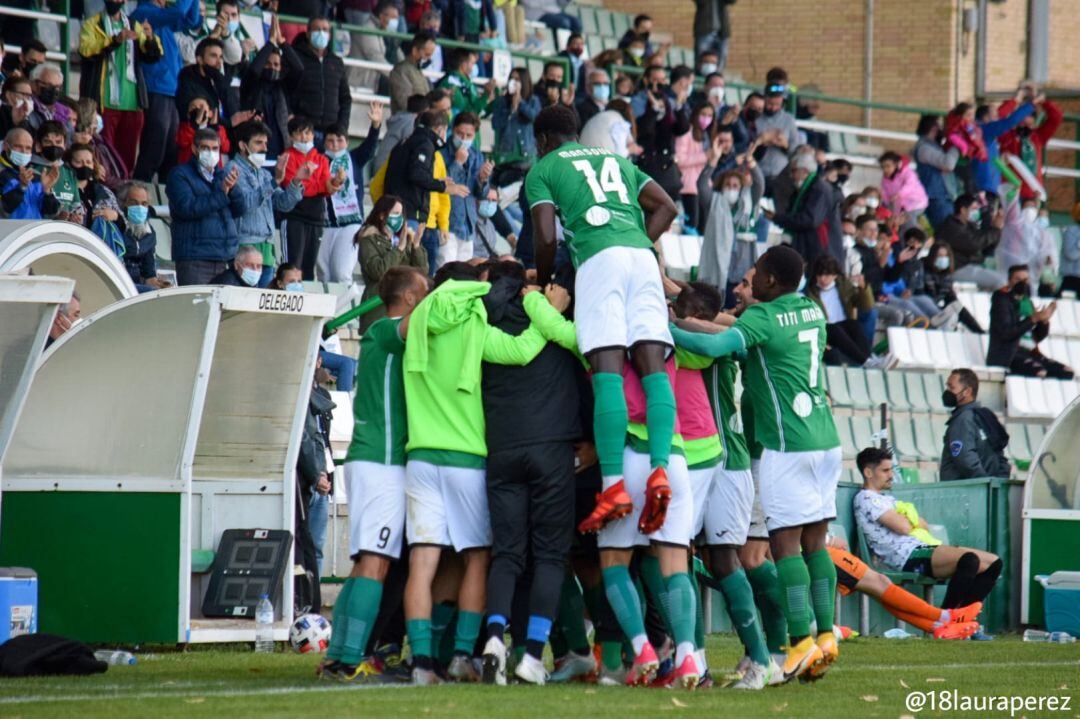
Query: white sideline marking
[935, 667]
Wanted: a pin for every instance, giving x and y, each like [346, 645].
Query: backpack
[47, 654]
[995, 433]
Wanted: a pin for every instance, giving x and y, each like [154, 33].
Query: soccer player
[445, 488]
[611, 214]
[375, 476]
[784, 336]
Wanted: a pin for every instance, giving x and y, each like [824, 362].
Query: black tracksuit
[410, 173]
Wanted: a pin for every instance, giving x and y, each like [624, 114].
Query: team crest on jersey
[802, 404]
[955, 447]
[598, 216]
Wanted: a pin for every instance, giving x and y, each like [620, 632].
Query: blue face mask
[19, 159]
[487, 208]
[601, 92]
[320, 39]
[250, 276]
[456, 142]
[294, 287]
[304, 147]
[137, 214]
[234, 25]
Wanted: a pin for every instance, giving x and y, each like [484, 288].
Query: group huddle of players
[691, 490]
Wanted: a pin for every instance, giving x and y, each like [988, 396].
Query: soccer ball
[310, 633]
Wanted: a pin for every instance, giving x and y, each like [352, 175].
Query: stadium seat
[163, 250]
[847, 439]
[903, 439]
[934, 385]
[603, 23]
[595, 43]
[896, 384]
[1035, 434]
[857, 390]
[862, 432]
[928, 443]
[1019, 447]
[939, 350]
[609, 43]
[620, 23]
[875, 384]
[588, 20]
[836, 386]
[916, 391]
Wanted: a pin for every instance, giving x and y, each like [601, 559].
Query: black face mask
[644, 36]
[271, 75]
[29, 68]
[83, 174]
[752, 115]
[111, 8]
[52, 153]
[1021, 290]
[423, 64]
[770, 113]
[841, 179]
[949, 399]
[49, 95]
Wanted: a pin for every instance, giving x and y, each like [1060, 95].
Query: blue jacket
[514, 131]
[19, 203]
[162, 75]
[463, 213]
[257, 196]
[987, 174]
[203, 224]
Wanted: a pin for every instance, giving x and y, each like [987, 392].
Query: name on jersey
[281, 301]
[585, 152]
[804, 316]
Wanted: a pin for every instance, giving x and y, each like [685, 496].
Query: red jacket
[1010, 141]
[314, 186]
[185, 136]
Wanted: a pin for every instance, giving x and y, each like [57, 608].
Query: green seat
[929, 445]
[603, 22]
[536, 68]
[1035, 434]
[847, 439]
[897, 389]
[856, 382]
[836, 386]
[595, 44]
[916, 392]
[903, 439]
[1019, 447]
[588, 20]
[896, 577]
[862, 432]
[935, 385]
[875, 385]
[609, 43]
[937, 429]
[620, 23]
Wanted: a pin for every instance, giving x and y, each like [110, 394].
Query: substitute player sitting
[611, 214]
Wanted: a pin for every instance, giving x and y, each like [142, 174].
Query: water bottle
[115, 659]
[898, 633]
[1036, 635]
[1061, 638]
[264, 625]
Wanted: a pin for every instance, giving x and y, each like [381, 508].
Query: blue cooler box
[18, 602]
[1062, 602]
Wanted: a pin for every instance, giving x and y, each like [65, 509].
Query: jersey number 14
[610, 179]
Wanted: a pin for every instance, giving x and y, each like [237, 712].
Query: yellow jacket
[439, 214]
[96, 47]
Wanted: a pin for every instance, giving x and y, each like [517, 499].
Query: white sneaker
[611, 678]
[531, 671]
[737, 673]
[757, 677]
[494, 671]
[776, 677]
[573, 665]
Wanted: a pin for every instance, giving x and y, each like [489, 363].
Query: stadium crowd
[251, 139]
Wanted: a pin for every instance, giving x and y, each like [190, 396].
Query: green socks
[363, 608]
[609, 422]
[680, 594]
[766, 584]
[419, 631]
[822, 588]
[571, 616]
[340, 626]
[657, 588]
[659, 416]
[624, 601]
[611, 655]
[740, 601]
[699, 615]
[795, 594]
[468, 629]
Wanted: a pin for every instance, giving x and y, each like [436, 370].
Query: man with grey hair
[67, 316]
[140, 240]
[812, 216]
[47, 80]
[245, 269]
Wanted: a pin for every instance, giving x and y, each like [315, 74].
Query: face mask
[637, 52]
[209, 158]
[52, 153]
[335, 154]
[849, 240]
[949, 399]
[48, 95]
[872, 202]
[271, 75]
[645, 36]
[1043, 222]
[320, 39]
[84, 174]
[828, 287]
[1021, 289]
[1028, 215]
[294, 287]
[423, 64]
[395, 222]
[941, 263]
[704, 121]
[975, 216]
[29, 68]
[456, 142]
[250, 276]
[717, 93]
[111, 8]
[871, 243]
[841, 179]
[732, 196]
[99, 124]
[234, 25]
[601, 93]
[577, 51]
[487, 208]
[513, 86]
[770, 113]
[19, 159]
[303, 147]
[708, 68]
[257, 158]
[752, 115]
[137, 214]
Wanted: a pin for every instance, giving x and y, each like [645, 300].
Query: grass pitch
[872, 679]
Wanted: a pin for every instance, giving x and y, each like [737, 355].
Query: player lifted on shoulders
[611, 214]
[784, 337]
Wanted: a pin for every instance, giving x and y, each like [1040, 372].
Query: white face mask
[941, 262]
[732, 196]
[849, 240]
[209, 158]
[1029, 215]
[869, 242]
[257, 158]
[872, 202]
[512, 85]
[717, 94]
[708, 68]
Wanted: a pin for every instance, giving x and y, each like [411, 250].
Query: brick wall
[1006, 45]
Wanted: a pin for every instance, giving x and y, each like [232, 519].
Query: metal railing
[64, 56]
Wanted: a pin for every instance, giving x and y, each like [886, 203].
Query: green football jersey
[785, 379]
[595, 194]
[379, 430]
[720, 384]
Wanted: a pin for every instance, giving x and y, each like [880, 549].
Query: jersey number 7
[811, 336]
[610, 179]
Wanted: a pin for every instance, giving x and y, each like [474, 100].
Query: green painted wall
[1055, 545]
[107, 562]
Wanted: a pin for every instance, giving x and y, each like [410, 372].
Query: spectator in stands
[49, 148]
[900, 186]
[399, 127]
[25, 195]
[31, 54]
[912, 283]
[319, 91]
[114, 48]
[1070, 255]
[690, 150]
[935, 166]
[262, 89]
[88, 127]
[47, 80]
[466, 166]
[245, 270]
[730, 203]
[98, 201]
[972, 238]
[1028, 140]
[660, 119]
[965, 135]
[384, 242]
[512, 117]
[724, 139]
[201, 204]
[574, 52]
[624, 87]
[161, 118]
[842, 300]
[336, 261]
[67, 316]
[874, 254]
[303, 226]
[550, 89]
[431, 22]
[261, 195]
[205, 79]
[776, 136]
[140, 240]
[490, 226]
[287, 278]
[812, 218]
[218, 29]
[18, 103]
[552, 13]
[200, 115]
[407, 77]
[1017, 327]
[938, 284]
[987, 174]
[372, 47]
[712, 30]
[641, 29]
[975, 441]
[465, 95]
[613, 129]
[410, 173]
[1025, 239]
[597, 93]
[895, 533]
